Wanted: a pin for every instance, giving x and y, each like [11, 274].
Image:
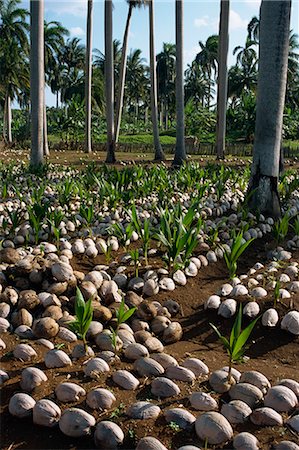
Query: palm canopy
[13, 25]
[208, 55]
[14, 49]
[54, 34]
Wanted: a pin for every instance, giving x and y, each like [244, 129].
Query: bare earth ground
[274, 352]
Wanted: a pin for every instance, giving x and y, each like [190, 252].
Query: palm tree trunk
[109, 82]
[159, 155]
[57, 99]
[8, 119]
[45, 134]
[4, 120]
[88, 77]
[180, 151]
[37, 80]
[222, 79]
[272, 78]
[122, 75]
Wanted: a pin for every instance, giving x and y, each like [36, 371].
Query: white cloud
[73, 7]
[255, 4]
[236, 22]
[201, 22]
[77, 31]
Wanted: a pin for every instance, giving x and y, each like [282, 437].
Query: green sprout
[122, 315]
[235, 346]
[231, 258]
[84, 313]
[281, 228]
[276, 293]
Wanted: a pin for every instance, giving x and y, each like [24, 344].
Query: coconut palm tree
[166, 80]
[222, 78]
[109, 82]
[135, 80]
[37, 81]
[88, 76]
[14, 50]
[122, 75]
[197, 86]
[246, 55]
[253, 29]
[180, 151]
[272, 79]
[208, 58]
[159, 155]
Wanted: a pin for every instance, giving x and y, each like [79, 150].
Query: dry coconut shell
[100, 398]
[76, 422]
[257, 379]
[214, 428]
[198, 367]
[266, 417]
[69, 392]
[143, 410]
[203, 401]
[184, 419]
[245, 441]
[281, 398]
[45, 328]
[173, 333]
[24, 352]
[21, 405]
[31, 378]
[165, 360]
[46, 413]
[94, 367]
[148, 367]
[57, 358]
[108, 435]
[125, 379]
[135, 351]
[150, 443]
[180, 373]
[163, 387]
[247, 393]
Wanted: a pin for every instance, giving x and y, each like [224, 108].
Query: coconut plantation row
[147, 308]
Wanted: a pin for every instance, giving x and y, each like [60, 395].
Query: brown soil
[274, 352]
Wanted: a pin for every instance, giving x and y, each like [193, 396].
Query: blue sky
[201, 20]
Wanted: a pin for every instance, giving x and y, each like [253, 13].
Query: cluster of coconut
[251, 399]
[250, 287]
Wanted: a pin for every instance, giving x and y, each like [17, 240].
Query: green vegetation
[235, 346]
[84, 313]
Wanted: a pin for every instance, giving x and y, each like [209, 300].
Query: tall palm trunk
[180, 151]
[222, 78]
[122, 75]
[45, 134]
[109, 82]
[88, 77]
[37, 80]
[4, 121]
[159, 155]
[272, 78]
[8, 119]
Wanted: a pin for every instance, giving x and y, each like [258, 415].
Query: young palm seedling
[231, 258]
[84, 312]
[122, 315]
[136, 260]
[281, 228]
[143, 231]
[235, 345]
[276, 293]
